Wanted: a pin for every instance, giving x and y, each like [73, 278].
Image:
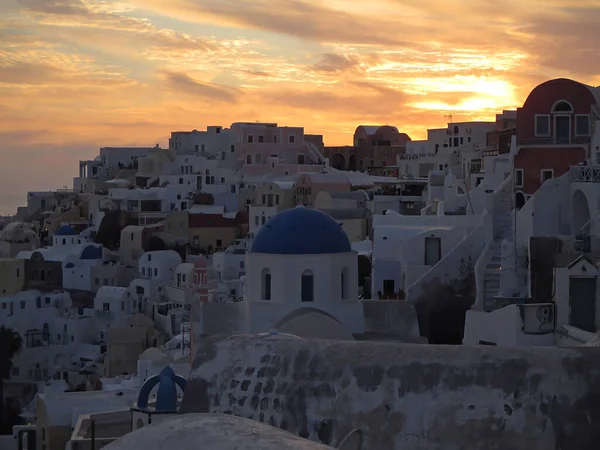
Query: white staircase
[315, 153]
[503, 226]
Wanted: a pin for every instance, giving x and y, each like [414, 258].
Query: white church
[301, 279]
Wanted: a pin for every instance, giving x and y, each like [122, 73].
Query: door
[562, 128]
[433, 250]
[389, 287]
[582, 303]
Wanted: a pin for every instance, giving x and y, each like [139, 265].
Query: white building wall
[112, 156]
[286, 293]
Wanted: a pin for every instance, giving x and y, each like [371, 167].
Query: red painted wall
[533, 160]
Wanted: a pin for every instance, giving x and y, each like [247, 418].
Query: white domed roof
[154, 354]
[214, 432]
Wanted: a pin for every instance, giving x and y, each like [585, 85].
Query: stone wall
[404, 396]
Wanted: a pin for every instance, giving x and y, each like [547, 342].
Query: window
[256, 219]
[105, 306]
[562, 106]
[149, 257]
[266, 285]
[455, 142]
[263, 219]
[64, 241]
[250, 139]
[202, 147]
[22, 304]
[155, 272]
[277, 199]
[261, 139]
[542, 125]
[18, 273]
[274, 139]
[461, 140]
[264, 199]
[300, 159]
[219, 243]
[344, 282]
[122, 306]
[582, 125]
[468, 138]
[222, 179]
[132, 236]
[196, 147]
[547, 174]
[248, 159]
[519, 177]
[307, 286]
[292, 139]
[232, 148]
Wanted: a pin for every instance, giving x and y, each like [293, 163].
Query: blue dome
[166, 395]
[66, 230]
[301, 231]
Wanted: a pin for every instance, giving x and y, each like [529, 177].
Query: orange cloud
[79, 74]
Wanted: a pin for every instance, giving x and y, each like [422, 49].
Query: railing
[573, 245]
[537, 318]
[104, 314]
[571, 140]
[589, 174]
[413, 156]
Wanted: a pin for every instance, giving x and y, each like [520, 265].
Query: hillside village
[484, 234]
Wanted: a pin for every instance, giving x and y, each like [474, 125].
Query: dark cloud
[297, 18]
[183, 83]
[25, 73]
[340, 98]
[61, 7]
[332, 62]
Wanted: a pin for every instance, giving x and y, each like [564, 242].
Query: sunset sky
[76, 75]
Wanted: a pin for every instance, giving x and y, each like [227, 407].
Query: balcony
[586, 174]
[541, 141]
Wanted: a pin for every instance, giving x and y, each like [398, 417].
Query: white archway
[581, 213]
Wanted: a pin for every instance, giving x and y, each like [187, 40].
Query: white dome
[154, 354]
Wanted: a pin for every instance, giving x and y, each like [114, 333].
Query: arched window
[248, 159]
[265, 285]
[308, 286]
[562, 106]
[455, 129]
[344, 282]
[207, 172]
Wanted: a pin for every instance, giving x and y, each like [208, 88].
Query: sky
[77, 75]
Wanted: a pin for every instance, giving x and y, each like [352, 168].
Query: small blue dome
[66, 230]
[166, 395]
[301, 231]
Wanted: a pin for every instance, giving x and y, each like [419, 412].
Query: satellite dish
[352, 441]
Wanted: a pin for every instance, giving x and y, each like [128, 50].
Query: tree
[10, 345]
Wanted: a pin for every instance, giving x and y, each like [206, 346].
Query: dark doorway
[519, 200]
[338, 161]
[582, 303]
[388, 287]
[352, 162]
[433, 250]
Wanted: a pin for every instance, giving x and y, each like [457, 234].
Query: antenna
[449, 117]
